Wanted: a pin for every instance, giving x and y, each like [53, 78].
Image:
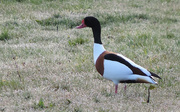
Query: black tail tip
[155, 75]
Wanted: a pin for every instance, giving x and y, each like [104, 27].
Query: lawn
[47, 65]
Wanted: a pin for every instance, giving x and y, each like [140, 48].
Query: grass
[4, 36]
[47, 65]
[77, 41]
[12, 84]
[56, 20]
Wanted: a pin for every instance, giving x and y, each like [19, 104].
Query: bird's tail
[155, 75]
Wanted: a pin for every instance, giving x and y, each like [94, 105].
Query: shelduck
[114, 66]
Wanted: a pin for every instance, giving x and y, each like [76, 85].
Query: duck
[114, 66]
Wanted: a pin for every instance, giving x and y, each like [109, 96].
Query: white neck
[97, 50]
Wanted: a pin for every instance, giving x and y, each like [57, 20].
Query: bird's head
[89, 21]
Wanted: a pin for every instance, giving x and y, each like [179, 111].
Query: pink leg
[116, 87]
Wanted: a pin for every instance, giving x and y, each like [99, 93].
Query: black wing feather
[135, 70]
[114, 57]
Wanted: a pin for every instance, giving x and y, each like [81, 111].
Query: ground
[47, 65]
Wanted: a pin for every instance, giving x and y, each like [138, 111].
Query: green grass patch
[77, 41]
[177, 94]
[10, 84]
[57, 20]
[164, 20]
[11, 24]
[166, 1]
[36, 2]
[119, 18]
[169, 35]
[106, 18]
[178, 43]
[139, 40]
[4, 36]
[20, 0]
[39, 105]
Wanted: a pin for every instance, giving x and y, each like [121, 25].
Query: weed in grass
[77, 41]
[4, 36]
[40, 104]
[51, 105]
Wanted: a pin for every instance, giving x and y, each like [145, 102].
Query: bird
[114, 66]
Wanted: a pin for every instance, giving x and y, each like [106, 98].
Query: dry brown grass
[42, 69]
